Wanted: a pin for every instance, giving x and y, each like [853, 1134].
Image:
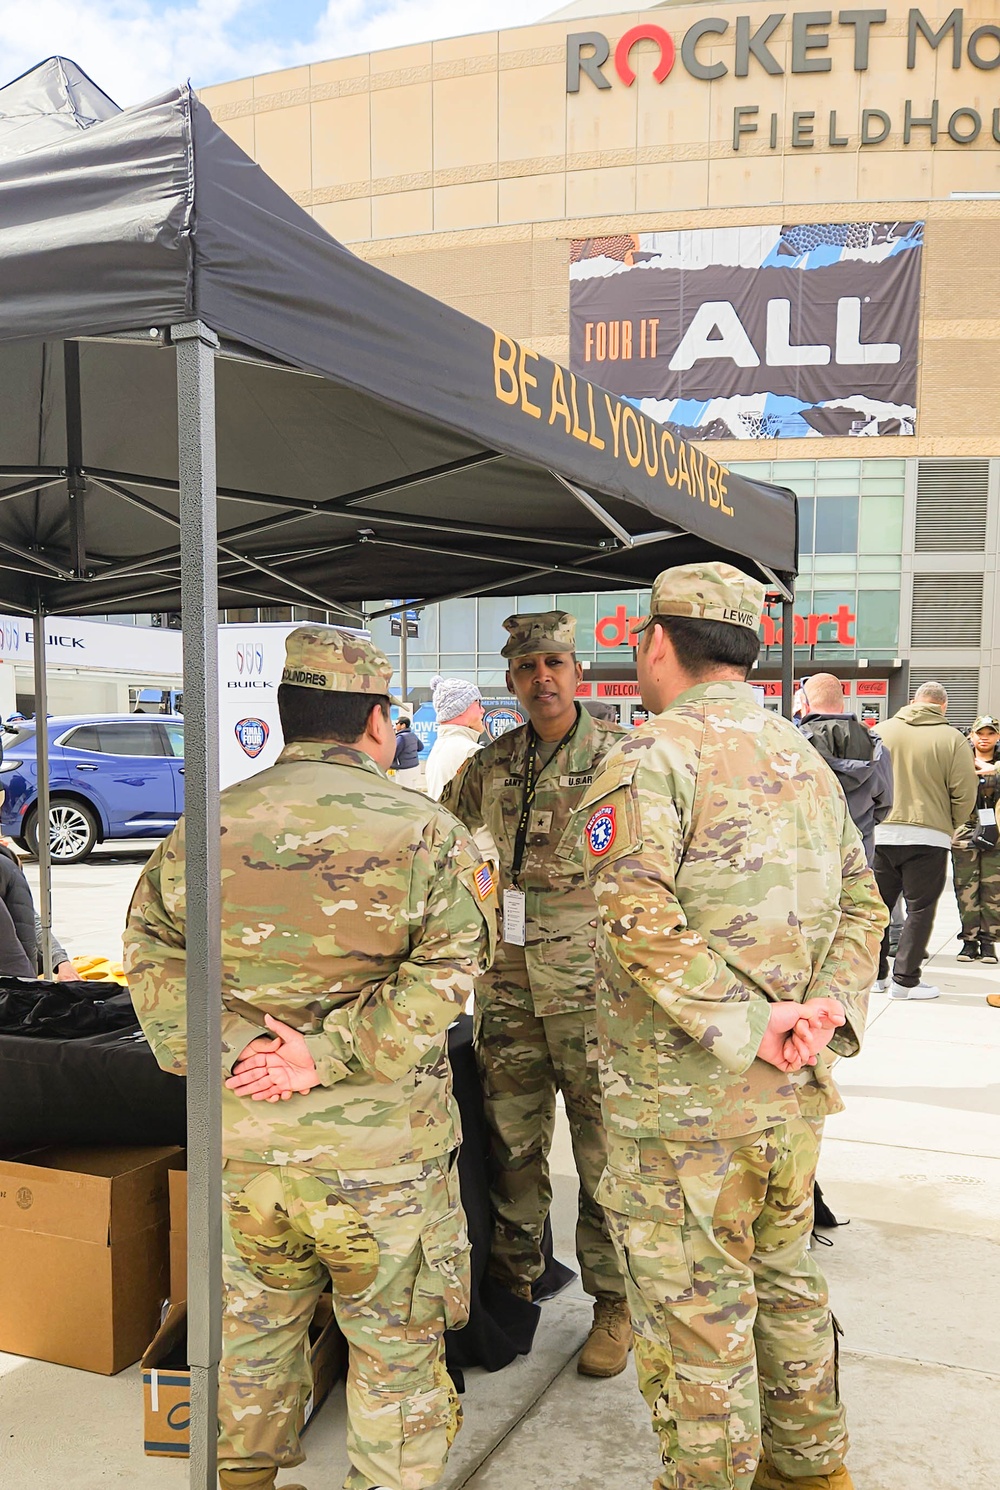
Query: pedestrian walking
[739, 929]
[535, 1010]
[975, 854]
[355, 918]
[857, 758]
[406, 758]
[934, 790]
[458, 707]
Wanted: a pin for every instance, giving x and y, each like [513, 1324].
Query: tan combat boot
[610, 1340]
[252, 1479]
[769, 1478]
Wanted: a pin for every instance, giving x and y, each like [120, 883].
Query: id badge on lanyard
[514, 918]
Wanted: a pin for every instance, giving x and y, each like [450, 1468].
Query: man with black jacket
[858, 758]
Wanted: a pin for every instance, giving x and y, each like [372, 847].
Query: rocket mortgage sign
[748, 49]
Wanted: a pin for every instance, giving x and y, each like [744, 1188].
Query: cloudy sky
[135, 48]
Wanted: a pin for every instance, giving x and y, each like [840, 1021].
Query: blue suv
[110, 776]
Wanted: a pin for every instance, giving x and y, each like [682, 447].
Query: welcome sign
[755, 333]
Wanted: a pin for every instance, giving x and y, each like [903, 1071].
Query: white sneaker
[881, 985]
[922, 991]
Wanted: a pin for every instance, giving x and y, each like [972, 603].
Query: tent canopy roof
[371, 441]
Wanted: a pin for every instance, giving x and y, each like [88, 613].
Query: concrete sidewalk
[914, 1164]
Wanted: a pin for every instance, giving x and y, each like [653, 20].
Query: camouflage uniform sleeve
[645, 928]
[851, 965]
[454, 908]
[155, 962]
[463, 794]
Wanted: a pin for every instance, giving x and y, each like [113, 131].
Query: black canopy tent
[166, 307]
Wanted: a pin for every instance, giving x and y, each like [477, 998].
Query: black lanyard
[531, 775]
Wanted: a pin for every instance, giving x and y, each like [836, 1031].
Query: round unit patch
[252, 735]
[601, 830]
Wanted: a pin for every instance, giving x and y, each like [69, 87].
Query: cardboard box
[83, 1253]
[178, 1187]
[166, 1378]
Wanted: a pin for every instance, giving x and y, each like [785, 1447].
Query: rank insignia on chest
[484, 881]
[600, 831]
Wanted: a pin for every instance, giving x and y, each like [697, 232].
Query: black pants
[919, 874]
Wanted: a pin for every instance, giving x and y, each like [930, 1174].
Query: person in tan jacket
[935, 788]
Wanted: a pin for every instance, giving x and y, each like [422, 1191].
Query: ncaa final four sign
[755, 333]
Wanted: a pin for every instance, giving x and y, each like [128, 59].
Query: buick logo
[249, 659]
[11, 637]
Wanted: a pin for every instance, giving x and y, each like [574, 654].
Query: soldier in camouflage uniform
[535, 1019]
[355, 919]
[975, 853]
[740, 935]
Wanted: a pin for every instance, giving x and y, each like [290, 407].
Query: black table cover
[107, 1089]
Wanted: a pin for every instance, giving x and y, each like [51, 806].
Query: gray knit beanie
[452, 696]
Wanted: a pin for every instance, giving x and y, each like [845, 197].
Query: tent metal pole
[196, 346]
[787, 656]
[42, 807]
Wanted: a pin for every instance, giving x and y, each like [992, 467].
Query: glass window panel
[837, 525]
[380, 633]
[493, 611]
[534, 603]
[581, 606]
[759, 469]
[785, 472]
[426, 644]
[456, 624]
[492, 680]
[883, 468]
[881, 529]
[452, 662]
[807, 509]
[878, 620]
[834, 577]
[175, 734]
[837, 488]
[840, 468]
[611, 630]
[880, 581]
[838, 632]
[882, 486]
[879, 564]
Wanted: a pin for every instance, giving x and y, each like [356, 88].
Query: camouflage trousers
[524, 1060]
[977, 888]
[394, 1244]
[734, 1339]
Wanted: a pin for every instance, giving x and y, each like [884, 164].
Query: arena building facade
[779, 230]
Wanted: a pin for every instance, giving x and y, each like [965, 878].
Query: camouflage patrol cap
[539, 631]
[335, 661]
[987, 721]
[707, 592]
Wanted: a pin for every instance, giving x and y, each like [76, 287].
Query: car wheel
[73, 831]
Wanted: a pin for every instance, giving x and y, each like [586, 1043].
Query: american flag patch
[484, 881]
